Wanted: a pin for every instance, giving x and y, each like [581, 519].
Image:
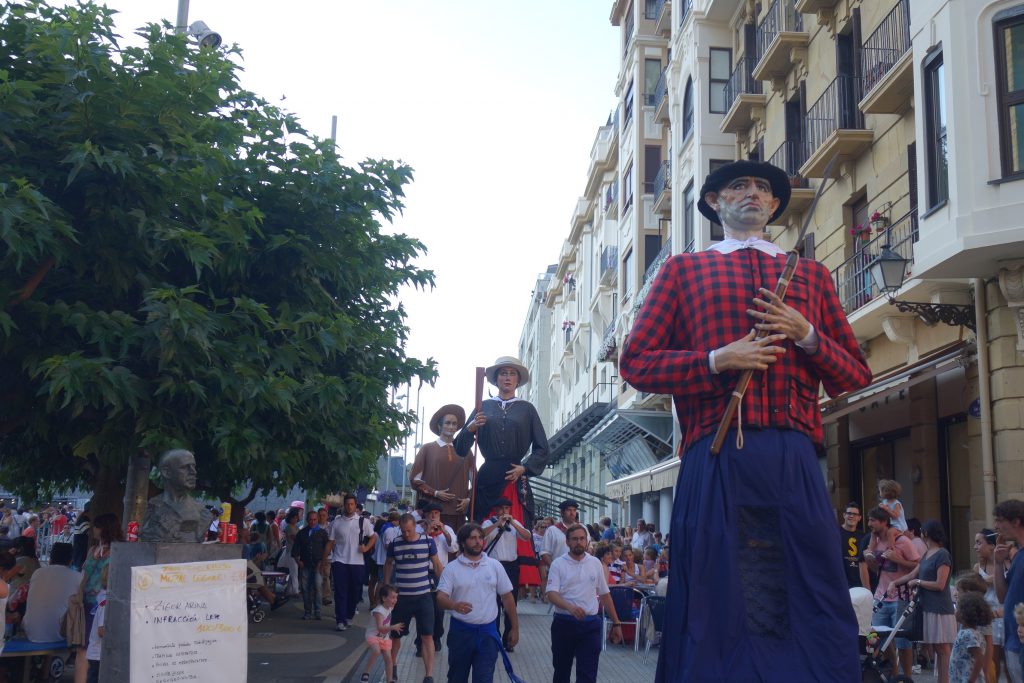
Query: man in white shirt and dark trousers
[468, 588]
[554, 537]
[500, 534]
[575, 585]
[350, 536]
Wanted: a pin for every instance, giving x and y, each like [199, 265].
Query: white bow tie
[729, 245]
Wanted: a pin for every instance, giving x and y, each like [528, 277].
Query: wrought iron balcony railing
[835, 109]
[853, 278]
[790, 156]
[781, 16]
[886, 44]
[741, 82]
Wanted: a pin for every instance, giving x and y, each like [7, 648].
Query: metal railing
[661, 89]
[781, 16]
[627, 32]
[611, 195]
[663, 179]
[609, 261]
[790, 156]
[853, 277]
[663, 254]
[741, 82]
[567, 333]
[886, 44]
[684, 7]
[836, 108]
[652, 9]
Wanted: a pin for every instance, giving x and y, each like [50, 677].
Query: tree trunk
[108, 492]
[136, 492]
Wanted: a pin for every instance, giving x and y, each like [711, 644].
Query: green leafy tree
[183, 265]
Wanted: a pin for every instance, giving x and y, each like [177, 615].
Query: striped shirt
[412, 564]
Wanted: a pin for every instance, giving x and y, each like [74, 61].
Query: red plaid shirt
[698, 303]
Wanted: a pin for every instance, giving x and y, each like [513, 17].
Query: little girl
[967, 660]
[889, 491]
[650, 570]
[378, 633]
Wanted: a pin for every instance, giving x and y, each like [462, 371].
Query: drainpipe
[988, 470]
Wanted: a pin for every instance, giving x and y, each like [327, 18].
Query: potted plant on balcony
[879, 222]
[569, 281]
[568, 324]
[861, 232]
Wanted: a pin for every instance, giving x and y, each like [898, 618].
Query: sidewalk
[531, 658]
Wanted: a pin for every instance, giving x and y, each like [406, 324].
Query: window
[627, 187]
[1009, 48]
[688, 201]
[627, 106]
[935, 130]
[716, 230]
[628, 275]
[652, 74]
[651, 10]
[627, 31]
[721, 67]
[652, 164]
[688, 109]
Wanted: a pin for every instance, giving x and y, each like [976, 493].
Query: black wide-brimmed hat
[742, 169]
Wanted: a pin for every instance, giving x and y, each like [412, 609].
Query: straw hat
[507, 362]
[450, 409]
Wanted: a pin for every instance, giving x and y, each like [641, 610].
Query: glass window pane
[717, 98]
[1016, 135]
[1013, 45]
[720, 63]
[652, 72]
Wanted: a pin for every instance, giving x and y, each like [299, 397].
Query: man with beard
[468, 588]
[438, 475]
[575, 585]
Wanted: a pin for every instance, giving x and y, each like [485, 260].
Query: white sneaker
[915, 669]
[342, 626]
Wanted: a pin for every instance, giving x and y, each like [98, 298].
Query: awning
[959, 354]
[632, 440]
[661, 476]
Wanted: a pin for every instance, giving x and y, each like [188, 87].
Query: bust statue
[174, 516]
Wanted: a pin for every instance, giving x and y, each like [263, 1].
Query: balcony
[834, 126]
[815, 6]
[789, 157]
[744, 98]
[659, 260]
[886, 63]
[780, 32]
[611, 201]
[684, 10]
[663, 189]
[661, 98]
[608, 345]
[853, 278]
[609, 265]
[664, 12]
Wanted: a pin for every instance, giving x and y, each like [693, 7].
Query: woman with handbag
[105, 530]
[931, 579]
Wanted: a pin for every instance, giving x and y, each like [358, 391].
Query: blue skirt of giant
[756, 588]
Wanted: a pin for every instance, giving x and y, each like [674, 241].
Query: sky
[494, 105]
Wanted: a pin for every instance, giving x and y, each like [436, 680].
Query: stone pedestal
[116, 659]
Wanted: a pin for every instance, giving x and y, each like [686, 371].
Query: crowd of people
[968, 627]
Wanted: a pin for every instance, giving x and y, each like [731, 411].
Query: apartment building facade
[925, 181]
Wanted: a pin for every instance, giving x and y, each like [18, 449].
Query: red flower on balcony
[861, 232]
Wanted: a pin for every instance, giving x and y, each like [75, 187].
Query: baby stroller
[876, 666]
[254, 604]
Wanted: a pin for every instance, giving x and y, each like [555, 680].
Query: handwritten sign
[189, 622]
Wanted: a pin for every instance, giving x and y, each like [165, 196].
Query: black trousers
[512, 570]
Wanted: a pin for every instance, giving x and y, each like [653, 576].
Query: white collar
[442, 443]
[504, 402]
[729, 245]
[472, 563]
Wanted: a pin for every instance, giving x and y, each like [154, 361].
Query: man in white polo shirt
[500, 533]
[349, 537]
[554, 536]
[468, 587]
[575, 585]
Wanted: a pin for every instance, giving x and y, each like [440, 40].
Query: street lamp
[197, 29]
[889, 270]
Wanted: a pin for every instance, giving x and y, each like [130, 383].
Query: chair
[653, 607]
[623, 597]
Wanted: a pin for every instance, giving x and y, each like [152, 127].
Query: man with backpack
[351, 535]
